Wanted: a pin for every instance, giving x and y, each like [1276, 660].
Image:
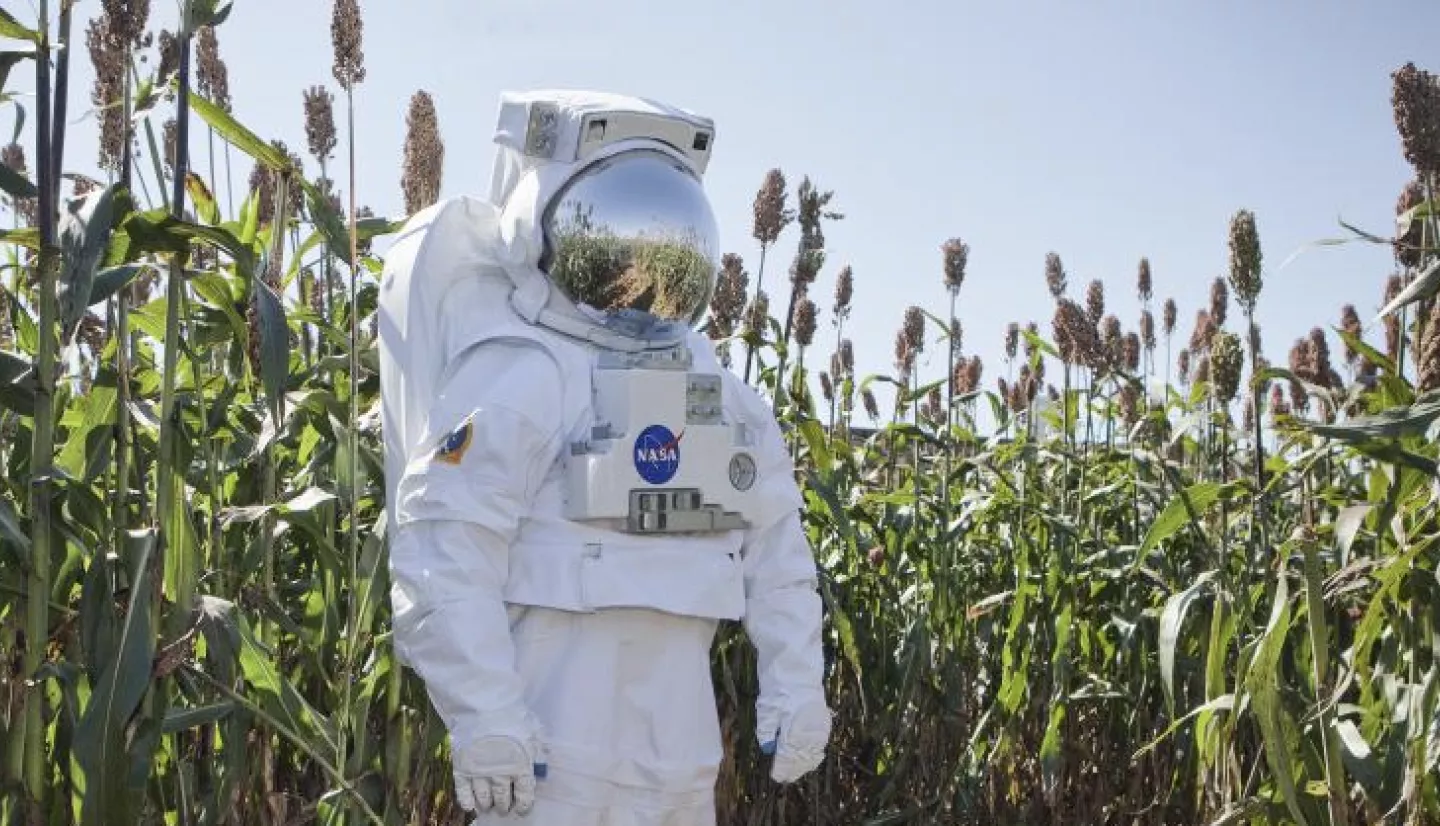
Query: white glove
[800, 748]
[497, 774]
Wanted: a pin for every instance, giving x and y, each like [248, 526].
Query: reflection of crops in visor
[665, 275]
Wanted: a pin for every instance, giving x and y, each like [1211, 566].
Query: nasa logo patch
[657, 454]
[453, 448]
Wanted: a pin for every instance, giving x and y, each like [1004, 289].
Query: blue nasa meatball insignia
[657, 454]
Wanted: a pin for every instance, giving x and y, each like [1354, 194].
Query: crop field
[1139, 573]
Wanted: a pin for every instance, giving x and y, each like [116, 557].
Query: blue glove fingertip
[768, 747]
[541, 769]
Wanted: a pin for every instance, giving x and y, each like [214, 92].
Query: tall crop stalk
[171, 515]
[42, 450]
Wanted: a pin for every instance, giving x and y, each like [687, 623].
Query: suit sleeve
[783, 615]
[492, 434]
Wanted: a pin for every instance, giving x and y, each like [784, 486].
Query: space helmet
[605, 195]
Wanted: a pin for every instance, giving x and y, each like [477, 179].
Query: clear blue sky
[1105, 134]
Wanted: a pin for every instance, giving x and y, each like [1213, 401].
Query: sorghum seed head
[347, 36]
[805, 322]
[847, 356]
[1017, 399]
[1318, 358]
[169, 57]
[1129, 405]
[126, 20]
[872, 408]
[759, 314]
[1112, 344]
[1054, 275]
[728, 301]
[959, 378]
[1012, 340]
[936, 411]
[1075, 335]
[770, 213]
[424, 154]
[1184, 365]
[826, 388]
[904, 356]
[1169, 316]
[1407, 245]
[844, 291]
[1415, 96]
[1219, 302]
[320, 122]
[1279, 408]
[1132, 351]
[1147, 330]
[914, 330]
[1245, 259]
[1393, 286]
[171, 134]
[1095, 301]
[1227, 360]
[1143, 286]
[1428, 367]
[107, 57]
[956, 254]
[212, 79]
[1204, 330]
[1350, 323]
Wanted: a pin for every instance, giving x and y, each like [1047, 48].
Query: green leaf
[1225, 702]
[1347, 526]
[10, 529]
[1389, 424]
[17, 185]
[237, 135]
[27, 237]
[10, 27]
[1423, 286]
[84, 230]
[99, 408]
[156, 232]
[100, 737]
[1172, 619]
[17, 384]
[814, 436]
[1198, 497]
[208, 13]
[112, 280]
[8, 61]
[202, 198]
[274, 346]
[1359, 759]
[1262, 682]
[328, 222]
[279, 697]
[184, 719]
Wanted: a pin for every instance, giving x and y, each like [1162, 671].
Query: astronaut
[577, 492]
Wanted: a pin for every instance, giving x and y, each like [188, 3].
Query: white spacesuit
[577, 491]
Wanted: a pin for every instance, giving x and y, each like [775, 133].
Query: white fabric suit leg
[628, 707]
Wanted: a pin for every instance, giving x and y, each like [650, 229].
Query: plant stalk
[170, 480]
[37, 618]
